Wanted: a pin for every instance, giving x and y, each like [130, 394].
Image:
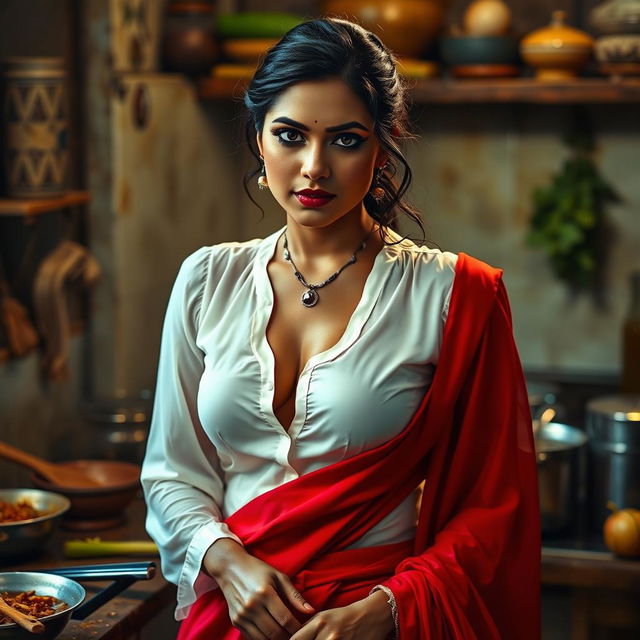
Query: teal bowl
[476, 50]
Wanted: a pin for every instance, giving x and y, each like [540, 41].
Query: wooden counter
[606, 589]
[126, 614]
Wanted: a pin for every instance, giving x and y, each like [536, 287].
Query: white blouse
[215, 443]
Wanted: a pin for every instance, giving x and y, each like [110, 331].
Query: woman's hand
[259, 597]
[368, 619]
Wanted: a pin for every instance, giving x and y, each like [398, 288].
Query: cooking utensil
[31, 624]
[613, 425]
[98, 507]
[559, 451]
[28, 537]
[61, 475]
[61, 583]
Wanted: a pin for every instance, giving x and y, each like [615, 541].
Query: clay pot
[99, 507]
[189, 44]
[557, 51]
[407, 27]
[487, 18]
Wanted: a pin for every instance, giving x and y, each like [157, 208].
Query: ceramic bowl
[557, 52]
[97, 507]
[481, 50]
[247, 49]
[407, 27]
[619, 55]
[26, 538]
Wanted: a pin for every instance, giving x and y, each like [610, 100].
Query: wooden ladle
[31, 624]
[58, 473]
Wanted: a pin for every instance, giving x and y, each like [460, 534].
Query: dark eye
[351, 140]
[287, 136]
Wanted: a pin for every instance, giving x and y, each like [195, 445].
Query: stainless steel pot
[119, 427]
[560, 456]
[28, 537]
[69, 591]
[61, 583]
[613, 425]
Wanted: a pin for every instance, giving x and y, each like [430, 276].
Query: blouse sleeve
[181, 475]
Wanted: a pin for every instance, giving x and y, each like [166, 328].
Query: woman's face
[319, 135]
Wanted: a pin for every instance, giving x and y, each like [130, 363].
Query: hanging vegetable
[568, 220]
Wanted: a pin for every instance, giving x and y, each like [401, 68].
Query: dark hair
[329, 47]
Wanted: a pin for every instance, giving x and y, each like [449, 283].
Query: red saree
[473, 569]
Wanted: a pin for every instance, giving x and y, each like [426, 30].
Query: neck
[313, 245]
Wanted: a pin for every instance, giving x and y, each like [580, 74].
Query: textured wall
[475, 169]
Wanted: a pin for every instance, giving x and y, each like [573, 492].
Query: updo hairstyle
[334, 47]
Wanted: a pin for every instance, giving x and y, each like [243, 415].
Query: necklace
[310, 297]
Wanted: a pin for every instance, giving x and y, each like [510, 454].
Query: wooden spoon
[31, 624]
[60, 474]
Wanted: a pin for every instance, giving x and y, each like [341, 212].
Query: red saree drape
[473, 569]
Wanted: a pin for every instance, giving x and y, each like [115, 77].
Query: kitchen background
[164, 167]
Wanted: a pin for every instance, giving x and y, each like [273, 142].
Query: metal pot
[27, 537]
[559, 452]
[544, 401]
[119, 427]
[60, 583]
[613, 425]
[69, 591]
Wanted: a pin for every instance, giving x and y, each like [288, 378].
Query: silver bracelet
[392, 603]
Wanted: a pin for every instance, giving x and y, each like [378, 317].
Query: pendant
[310, 298]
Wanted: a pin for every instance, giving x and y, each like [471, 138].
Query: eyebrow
[354, 124]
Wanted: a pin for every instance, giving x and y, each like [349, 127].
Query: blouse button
[269, 385]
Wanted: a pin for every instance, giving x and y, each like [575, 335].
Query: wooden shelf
[450, 91]
[30, 207]
[527, 90]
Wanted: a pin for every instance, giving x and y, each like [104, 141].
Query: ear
[259, 142]
[381, 158]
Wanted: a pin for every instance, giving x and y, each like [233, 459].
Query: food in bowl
[68, 591]
[25, 538]
[32, 604]
[21, 510]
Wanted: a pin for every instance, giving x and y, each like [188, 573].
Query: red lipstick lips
[313, 198]
[315, 193]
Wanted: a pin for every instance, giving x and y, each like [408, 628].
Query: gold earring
[378, 192]
[262, 180]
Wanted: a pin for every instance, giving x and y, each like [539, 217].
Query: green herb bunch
[569, 215]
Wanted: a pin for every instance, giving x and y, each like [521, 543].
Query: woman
[341, 445]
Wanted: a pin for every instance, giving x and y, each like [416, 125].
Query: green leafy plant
[569, 214]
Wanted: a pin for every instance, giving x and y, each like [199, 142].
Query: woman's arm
[184, 487]
[181, 474]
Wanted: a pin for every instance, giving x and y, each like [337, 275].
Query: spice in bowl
[21, 510]
[31, 604]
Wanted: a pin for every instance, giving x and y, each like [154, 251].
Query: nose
[314, 164]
